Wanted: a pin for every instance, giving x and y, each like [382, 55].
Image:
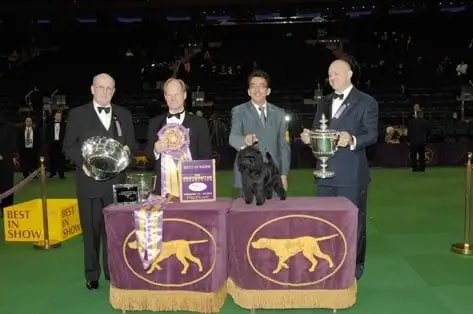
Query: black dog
[259, 179]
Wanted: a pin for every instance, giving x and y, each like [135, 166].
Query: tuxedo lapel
[96, 124]
[348, 104]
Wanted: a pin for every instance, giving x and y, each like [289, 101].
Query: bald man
[175, 94]
[97, 118]
[355, 115]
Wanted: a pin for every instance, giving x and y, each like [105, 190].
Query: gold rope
[159, 300]
[292, 299]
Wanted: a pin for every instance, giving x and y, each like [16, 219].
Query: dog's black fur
[259, 179]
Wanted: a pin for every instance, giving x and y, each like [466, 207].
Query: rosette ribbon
[149, 229]
[177, 138]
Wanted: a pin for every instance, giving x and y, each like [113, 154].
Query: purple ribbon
[170, 159]
[149, 229]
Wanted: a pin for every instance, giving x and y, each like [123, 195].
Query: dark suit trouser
[93, 233]
[56, 160]
[417, 149]
[28, 161]
[359, 197]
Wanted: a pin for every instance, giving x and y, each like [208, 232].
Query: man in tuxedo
[417, 133]
[55, 137]
[200, 146]
[355, 115]
[29, 143]
[258, 121]
[97, 118]
[8, 147]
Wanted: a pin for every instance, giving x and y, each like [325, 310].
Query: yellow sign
[180, 249]
[286, 248]
[24, 222]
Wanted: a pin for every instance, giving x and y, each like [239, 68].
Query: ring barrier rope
[19, 185]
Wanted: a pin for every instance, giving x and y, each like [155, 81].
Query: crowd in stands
[400, 66]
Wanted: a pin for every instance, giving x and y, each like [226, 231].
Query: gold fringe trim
[292, 299]
[173, 300]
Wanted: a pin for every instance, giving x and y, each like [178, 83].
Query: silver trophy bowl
[104, 157]
[323, 143]
[145, 182]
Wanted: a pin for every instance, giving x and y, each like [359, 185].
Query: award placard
[126, 194]
[197, 181]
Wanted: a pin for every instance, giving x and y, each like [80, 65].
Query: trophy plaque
[323, 143]
[126, 194]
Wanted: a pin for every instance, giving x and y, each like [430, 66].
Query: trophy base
[324, 174]
[462, 248]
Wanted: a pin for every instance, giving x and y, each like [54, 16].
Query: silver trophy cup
[145, 182]
[104, 157]
[323, 143]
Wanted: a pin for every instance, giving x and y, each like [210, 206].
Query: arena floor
[413, 219]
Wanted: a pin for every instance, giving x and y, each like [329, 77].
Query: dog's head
[250, 160]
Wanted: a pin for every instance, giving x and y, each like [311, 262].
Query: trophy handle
[337, 137]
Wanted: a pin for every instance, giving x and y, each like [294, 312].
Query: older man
[355, 115]
[258, 121]
[200, 146]
[97, 118]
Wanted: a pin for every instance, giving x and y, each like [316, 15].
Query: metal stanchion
[46, 244]
[466, 248]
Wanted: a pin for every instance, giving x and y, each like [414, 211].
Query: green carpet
[413, 219]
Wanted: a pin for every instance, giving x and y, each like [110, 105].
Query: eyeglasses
[258, 86]
[102, 89]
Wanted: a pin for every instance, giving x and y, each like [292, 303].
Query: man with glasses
[97, 118]
[260, 122]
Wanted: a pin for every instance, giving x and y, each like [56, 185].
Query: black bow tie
[106, 109]
[337, 96]
[176, 115]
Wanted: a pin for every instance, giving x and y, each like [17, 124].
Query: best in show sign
[197, 181]
[24, 222]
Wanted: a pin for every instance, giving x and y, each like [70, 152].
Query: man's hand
[250, 139]
[160, 147]
[344, 139]
[16, 162]
[284, 182]
[305, 136]
[1, 157]
[87, 172]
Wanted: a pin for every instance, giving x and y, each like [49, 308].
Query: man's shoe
[92, 285]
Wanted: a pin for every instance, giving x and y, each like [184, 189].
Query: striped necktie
[262, 115]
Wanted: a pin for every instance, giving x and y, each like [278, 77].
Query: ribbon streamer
[149, 229]
[178, 136]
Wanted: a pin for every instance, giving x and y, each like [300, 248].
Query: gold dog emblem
[180, 248]
[141, 160]
[284, 249]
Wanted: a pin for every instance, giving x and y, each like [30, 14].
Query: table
[298, 253]
[194, 237]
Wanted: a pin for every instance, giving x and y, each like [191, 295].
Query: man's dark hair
[259, 73]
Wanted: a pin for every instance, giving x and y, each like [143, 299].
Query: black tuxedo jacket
[21, 139]
[200, 144]
[360, 119]
[82, 123]
[50, 134]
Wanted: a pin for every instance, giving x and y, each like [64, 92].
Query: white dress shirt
[265, 109]
[31, 137]
[105, 118]
[57, 128]
[336, 105]
[173, 120]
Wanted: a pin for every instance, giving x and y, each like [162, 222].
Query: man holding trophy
[175, 136]
[98, 140]
[344, 125]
